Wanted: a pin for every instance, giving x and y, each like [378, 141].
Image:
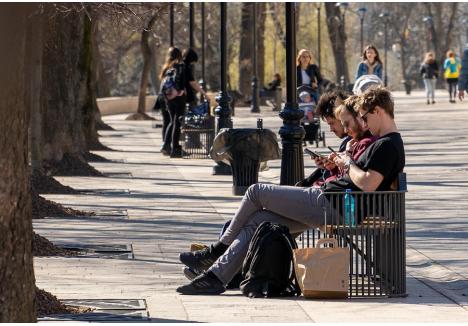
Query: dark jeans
[166, 120]
[452, 84]
[176, 108]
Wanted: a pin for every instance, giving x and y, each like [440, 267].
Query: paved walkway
[171, 202]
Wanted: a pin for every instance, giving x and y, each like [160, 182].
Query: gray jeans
[297, 208]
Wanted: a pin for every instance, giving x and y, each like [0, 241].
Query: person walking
[308, 73]
[451, 73]
[370, 64]
[429, 71]
[173, 86]
[463, 78]
[192, 87]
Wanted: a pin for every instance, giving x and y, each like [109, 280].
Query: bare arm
[366, 181]
[196, 86]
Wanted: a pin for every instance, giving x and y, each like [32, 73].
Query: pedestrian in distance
[308, 73]
[463, 78]
[173, 87]
[429, 71]
[451, 73]
[370, 64]
[191, 85]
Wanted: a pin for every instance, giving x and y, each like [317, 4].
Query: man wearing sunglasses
[380, 164]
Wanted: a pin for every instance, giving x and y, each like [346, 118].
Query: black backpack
[173, 83]
[268, 268]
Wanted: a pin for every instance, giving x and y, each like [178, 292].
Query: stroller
[310, 122]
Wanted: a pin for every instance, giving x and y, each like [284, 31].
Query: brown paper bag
[323, 272]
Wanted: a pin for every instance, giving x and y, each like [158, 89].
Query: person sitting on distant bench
[274, 84]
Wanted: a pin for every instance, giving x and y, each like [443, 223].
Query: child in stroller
[310, 123]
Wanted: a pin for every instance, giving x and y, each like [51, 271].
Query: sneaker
[199, 260]
[190, 273]
[164, 151]
[433, 102]
[202, 284]
[428, 102]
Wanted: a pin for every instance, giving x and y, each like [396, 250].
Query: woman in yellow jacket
[452, 68]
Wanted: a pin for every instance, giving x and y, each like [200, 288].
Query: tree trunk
[147, 53]
[16, 263]
[261, 8]
[337, 34]
[91, 114]
[246, 51]
[278, 29]
[64, 89]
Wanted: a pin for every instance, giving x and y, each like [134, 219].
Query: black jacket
[312, 71]
[429, 70]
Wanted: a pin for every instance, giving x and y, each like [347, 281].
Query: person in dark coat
[308, 73]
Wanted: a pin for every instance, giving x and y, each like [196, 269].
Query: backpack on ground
[268, 268]
[172, 84]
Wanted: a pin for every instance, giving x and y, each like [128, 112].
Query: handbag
[323, 272]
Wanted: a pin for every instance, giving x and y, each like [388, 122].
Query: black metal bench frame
[377, 242]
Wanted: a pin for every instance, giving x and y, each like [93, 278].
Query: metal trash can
[243, 149]
[197, 132]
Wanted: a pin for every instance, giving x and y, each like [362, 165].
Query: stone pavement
[172, 202]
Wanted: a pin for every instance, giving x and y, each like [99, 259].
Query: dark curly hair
[327, 103]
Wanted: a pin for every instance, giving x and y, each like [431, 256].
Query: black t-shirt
[191, 96]
[386, 156]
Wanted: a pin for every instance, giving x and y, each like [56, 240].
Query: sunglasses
[364, 116]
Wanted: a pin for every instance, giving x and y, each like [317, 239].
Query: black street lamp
[171, 24]
[191, 24]
[319, 56]
[362, 13]
[429, 23]
[222, 111]
[254, 108]
[291, 132]
[385, 16]
[343, 7]
[202, 81]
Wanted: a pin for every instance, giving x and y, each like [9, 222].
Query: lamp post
[385, 16]
[191, 24]
[343, 6]
[319, 7]
[254, 108]
[291, 132]
[362, 13]
[428, 20]
[202, 81]
[222, 111]
[171, 24]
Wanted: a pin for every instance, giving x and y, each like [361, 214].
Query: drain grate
[116, 251]
[103, 304]
[105, 191]
[101, 315]
[116, 214]
[105, 310]
[118, 174]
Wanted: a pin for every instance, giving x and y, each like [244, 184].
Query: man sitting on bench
[300, 208]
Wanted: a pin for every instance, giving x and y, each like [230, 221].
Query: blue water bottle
[349, 208]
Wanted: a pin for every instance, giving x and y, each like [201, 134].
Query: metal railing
[374, 230]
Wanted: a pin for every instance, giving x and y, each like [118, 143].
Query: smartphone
[311, 153]
[331, 149]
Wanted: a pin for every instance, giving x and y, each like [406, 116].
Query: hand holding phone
[332, 150]
[311, 153]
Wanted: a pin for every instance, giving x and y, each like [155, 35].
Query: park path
[172, 202]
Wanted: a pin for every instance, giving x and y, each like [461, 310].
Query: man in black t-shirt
[380, 164]
[300, 208]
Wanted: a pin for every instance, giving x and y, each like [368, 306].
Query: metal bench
[377, 241]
